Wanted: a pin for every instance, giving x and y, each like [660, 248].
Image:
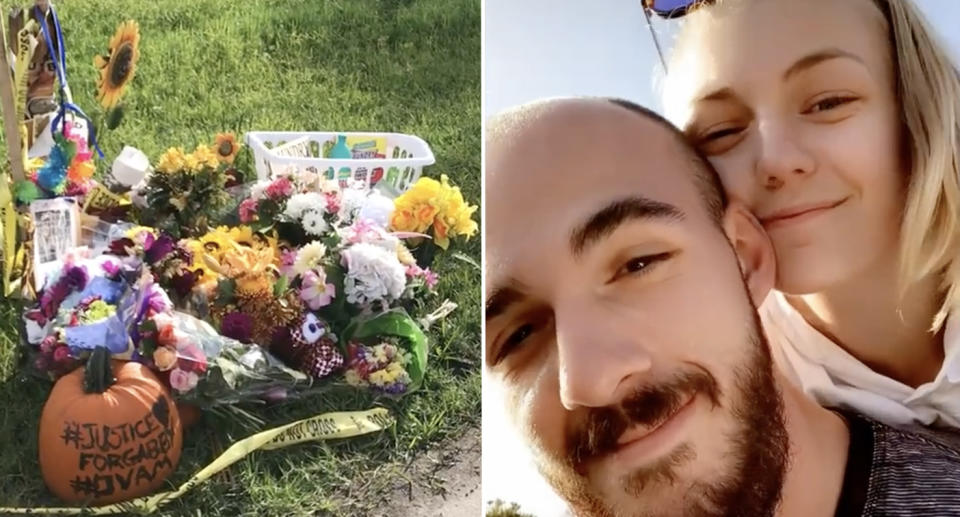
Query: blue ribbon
[60, 66]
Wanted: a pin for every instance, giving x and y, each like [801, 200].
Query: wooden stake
[11, 126]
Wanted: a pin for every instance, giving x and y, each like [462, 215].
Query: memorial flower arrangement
[185, 195]
[318, 285]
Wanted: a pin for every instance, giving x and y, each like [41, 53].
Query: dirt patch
[444, 482]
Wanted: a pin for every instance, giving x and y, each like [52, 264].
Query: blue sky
[546, 48]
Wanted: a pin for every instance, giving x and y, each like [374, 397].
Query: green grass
[209, 66]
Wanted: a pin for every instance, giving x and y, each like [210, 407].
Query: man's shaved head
[707, 181]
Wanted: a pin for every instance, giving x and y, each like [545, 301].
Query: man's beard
[757, 455]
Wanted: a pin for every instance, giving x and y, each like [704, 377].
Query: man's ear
[753, 248]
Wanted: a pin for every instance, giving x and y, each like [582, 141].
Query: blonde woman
[837, 123]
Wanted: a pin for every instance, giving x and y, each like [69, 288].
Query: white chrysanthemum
[314, 223]
[298, 204]
[377, 208]
[373, 273]
[351, 200]
[309, 257]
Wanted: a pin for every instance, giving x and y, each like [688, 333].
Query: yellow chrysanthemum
[207, 156]
[172, 160]
[226, 146]
[118, 67]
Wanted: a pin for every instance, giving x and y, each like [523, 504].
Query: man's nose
[601, 355]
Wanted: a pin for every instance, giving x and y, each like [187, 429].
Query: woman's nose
[781, 155]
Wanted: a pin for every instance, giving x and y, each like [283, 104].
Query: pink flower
[287, 260]
[248, 210]
[191, 358]
[61, 353]
[315, 291]
[364, 230]
[429, 277]
[279, 189]
[48, 345]
[183, 381]
[333, 202]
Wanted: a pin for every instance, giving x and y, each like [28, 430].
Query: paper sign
[56, 230]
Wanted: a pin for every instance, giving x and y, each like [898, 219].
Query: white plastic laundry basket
[404, 158]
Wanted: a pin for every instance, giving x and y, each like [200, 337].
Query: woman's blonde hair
[928, 92]
[928, 89]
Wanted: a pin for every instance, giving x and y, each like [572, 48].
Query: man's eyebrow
[609, 218]
[500, 300]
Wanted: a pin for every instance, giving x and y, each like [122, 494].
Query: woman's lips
[799, 213]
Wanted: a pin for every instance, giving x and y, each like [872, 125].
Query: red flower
[191, 359]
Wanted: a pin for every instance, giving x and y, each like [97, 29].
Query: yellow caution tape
[9, 213]
[101, 198]
[26, 46]
[320, 427]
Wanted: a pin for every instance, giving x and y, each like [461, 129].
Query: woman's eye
[829, 104]
[720, 133]
[643, 264]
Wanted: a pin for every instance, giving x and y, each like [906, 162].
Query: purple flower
[238, 326]
[159, 249]
[52, 298]
[111, 268]
[75, 278]
[183, 282]
[396, 388]
[157, 299]
[281, 337]
[119, 247]
[41, 363]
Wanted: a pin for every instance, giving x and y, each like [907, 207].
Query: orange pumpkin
[109, 432]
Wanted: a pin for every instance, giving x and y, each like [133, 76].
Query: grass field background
[347, 65]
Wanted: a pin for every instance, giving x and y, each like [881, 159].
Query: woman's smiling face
[794, 104]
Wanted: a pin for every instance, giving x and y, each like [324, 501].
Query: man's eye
[643, 264]
[515, 340]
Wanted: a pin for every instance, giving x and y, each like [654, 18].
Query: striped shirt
[897, 472]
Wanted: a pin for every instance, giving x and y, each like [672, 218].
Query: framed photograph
[56, 230]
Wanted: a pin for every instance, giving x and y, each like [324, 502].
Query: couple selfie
[742, 302]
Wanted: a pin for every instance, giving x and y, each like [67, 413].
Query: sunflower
[117, 69]
[226, 146]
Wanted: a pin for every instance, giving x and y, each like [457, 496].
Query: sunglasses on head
[668, 9]
[673, 8]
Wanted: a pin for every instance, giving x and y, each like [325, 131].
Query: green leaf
[115, 117]
[226, 288]
[281, 286]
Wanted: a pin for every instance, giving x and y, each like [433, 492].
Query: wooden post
[11, 126]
